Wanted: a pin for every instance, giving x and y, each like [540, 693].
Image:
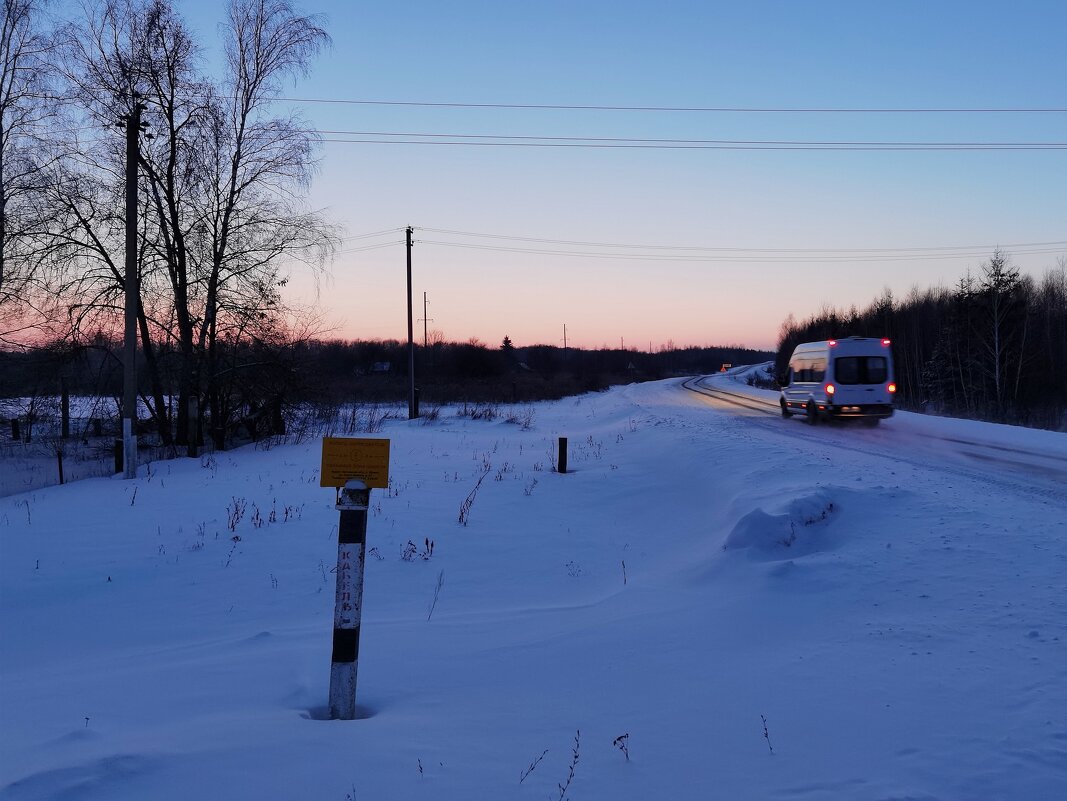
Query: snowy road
[1006, 456]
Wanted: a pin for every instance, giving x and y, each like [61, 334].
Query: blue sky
[768, 55]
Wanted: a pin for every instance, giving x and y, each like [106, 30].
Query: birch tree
[224, 175]
[26, 109]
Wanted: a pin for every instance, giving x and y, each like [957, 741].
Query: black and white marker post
[351, 551]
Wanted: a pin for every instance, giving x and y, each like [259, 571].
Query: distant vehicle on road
[840, 379]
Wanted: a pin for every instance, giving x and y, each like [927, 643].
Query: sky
[642, 246]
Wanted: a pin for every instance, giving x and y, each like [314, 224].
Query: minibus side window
[807, 370]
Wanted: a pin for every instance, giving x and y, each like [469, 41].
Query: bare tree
[221, 182]
[251, 218]
[26, 109]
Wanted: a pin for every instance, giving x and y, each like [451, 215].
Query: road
[1025, 459]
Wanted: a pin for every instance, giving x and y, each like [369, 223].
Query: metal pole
[561, 464]
[425, 320]
[348, 602]
[425, 334]
[412, 413]
[129, 373]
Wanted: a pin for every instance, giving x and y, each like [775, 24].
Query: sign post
[353, 466]
[348, 601]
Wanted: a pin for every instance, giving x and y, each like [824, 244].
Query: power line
[1055, 245]
[680, 109]
[667, 257]
[371, 234]
[706, 254]
[370, 247]
[504, 139]
[810, 146]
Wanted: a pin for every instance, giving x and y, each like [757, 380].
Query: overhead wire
[371, 235]
[802, 259]
[683, 109]
[979, 248]
[570, 248]
[598, 141]
[366, 248]
[553, 141]
[811, 146]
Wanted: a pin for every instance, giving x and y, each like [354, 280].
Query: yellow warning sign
[344, 458]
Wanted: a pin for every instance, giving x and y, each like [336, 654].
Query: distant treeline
[260, 383]
[449, 372]
[994, 347]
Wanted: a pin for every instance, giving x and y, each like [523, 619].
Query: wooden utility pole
[129, 375]
[412, 402]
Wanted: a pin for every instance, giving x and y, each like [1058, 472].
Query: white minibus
[840, 378]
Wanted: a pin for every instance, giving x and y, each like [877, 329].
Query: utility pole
[129, 373]
[412, 402]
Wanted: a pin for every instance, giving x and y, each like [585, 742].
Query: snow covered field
[764, 609]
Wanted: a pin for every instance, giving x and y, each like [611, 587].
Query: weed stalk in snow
[534, 764]
[766, 734]
[465, 508]
[436, 593]
[235, 510]
[229, 557]
[574, 763]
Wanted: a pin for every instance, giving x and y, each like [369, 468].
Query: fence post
[561, 463]
[64, 411]
[16, 432]
[193, 425]
[348, 602]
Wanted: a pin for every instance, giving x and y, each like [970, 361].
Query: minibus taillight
[885, 343]
[830, 389]
[892, 388]
[832, 342]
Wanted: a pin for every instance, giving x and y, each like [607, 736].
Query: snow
[890, 601]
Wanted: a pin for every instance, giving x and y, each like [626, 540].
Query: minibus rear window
[861, 370]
